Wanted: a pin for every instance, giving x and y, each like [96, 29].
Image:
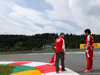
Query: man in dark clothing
[60, 52]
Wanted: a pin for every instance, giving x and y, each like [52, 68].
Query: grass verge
[6, 70]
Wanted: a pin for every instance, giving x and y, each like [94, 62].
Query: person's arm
[88, 43]
[63, 46]
[87, 46]
[55, 47]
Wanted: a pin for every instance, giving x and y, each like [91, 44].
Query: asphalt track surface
[73, 61]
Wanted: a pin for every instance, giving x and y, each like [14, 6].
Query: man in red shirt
[89, 51]
[60, 52]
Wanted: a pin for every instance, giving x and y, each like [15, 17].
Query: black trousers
[59, 55]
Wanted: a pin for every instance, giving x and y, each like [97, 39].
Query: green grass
[25, 53]
[6, 70]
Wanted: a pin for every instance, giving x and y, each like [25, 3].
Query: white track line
[5, 62]
[34, 64]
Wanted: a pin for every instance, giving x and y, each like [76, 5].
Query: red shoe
[56, 72]
[91, 70]
[86, 70]
[64, 70]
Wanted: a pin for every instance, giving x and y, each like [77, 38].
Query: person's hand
[64, 54]
[55, 51]
[85, 50]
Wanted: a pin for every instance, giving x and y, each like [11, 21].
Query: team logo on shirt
[57, 40]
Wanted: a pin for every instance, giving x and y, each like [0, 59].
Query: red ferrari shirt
[60, 45]
[89, 39]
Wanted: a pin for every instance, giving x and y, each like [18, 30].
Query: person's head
[87, 31]
[62, 35]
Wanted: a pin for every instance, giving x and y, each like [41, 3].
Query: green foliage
[36, 42]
